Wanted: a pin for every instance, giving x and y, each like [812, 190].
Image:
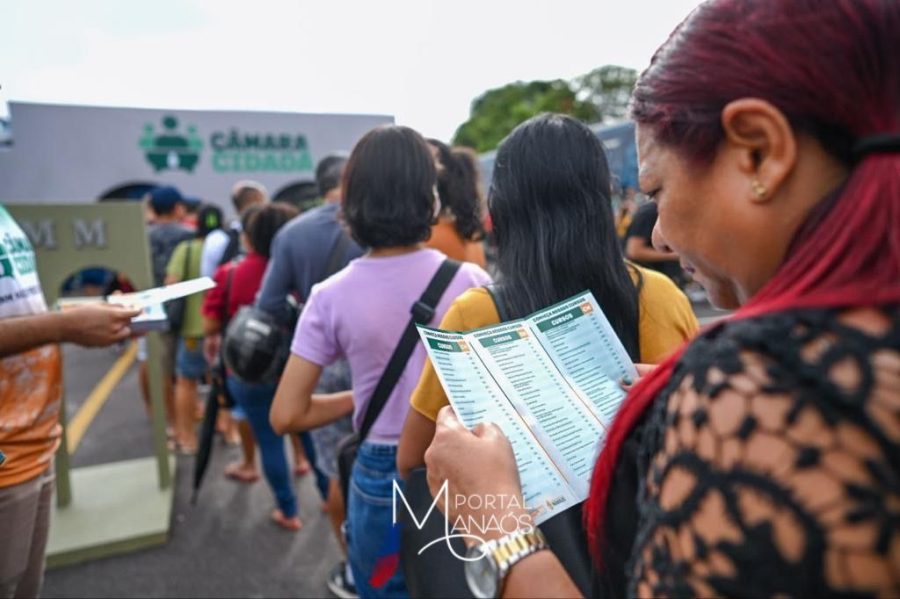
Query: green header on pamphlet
[569, 316]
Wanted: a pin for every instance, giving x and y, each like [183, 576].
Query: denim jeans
[369, 518]
[256, 401]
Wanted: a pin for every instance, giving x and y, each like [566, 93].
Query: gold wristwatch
[487, 564]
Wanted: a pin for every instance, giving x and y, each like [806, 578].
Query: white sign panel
[81, 153]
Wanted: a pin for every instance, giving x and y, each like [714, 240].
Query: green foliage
[602, 93]
[607, 88]
[497, 112]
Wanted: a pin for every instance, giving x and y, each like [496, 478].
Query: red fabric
[248, 275]
[848, 258]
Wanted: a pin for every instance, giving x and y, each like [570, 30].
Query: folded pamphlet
[153, 318]
[550, 381]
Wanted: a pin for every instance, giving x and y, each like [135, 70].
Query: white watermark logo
[502, 514]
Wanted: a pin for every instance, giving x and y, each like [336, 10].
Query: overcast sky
[422, 61]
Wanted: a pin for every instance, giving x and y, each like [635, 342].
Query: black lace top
[770, 465]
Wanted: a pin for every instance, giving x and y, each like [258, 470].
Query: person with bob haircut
[551, 186]
[768, 133]
[360, 313]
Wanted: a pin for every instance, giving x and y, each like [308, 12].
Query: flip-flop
[292, 524]
[233, 472]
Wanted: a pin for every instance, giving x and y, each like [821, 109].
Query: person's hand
[480, 468]
[211, 345]
[642, 369]
[97, 325]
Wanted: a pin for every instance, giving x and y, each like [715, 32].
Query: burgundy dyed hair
[833, 68]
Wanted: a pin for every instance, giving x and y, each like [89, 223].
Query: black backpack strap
[336, 257]
[422, 313]
[497, 295]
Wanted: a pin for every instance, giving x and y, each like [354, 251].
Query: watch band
[512, 548]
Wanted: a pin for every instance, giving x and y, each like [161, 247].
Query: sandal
[237, 472]
[293, 524]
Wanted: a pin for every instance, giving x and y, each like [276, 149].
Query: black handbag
[176, 308]
[436, 572]
[422, 313]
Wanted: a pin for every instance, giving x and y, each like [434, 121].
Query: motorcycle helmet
[256, 347]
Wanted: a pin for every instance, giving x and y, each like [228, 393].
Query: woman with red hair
[763, 458]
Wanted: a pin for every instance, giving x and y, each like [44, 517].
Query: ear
[765, 142]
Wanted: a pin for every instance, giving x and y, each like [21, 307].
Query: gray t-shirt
[299, 258]
[163, 240]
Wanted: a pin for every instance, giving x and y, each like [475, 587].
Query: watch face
[481, 574]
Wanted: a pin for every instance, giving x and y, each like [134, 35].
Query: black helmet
[256, 346]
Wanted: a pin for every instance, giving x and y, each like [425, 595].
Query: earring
[759, 189]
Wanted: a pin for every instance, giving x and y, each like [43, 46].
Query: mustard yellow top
[666, 321]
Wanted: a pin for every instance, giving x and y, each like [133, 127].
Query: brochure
[550, 381]
[153, 318]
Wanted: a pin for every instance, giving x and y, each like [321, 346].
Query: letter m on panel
[89, 233]
[41, 233]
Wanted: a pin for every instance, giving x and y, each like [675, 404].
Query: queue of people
[758, 456]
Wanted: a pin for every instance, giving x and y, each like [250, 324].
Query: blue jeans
[256, 401]
[369, 518]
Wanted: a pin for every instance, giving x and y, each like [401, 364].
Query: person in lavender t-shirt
[360, 313]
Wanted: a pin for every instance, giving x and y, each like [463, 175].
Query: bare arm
[295, 408]
[637, 249]
[211, 326]
[95, 325]
[212, 339]
[539, 575]
[414, 440]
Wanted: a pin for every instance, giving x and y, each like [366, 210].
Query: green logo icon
[171, 150]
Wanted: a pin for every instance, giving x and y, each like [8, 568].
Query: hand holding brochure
[550, 382]
[153, 318]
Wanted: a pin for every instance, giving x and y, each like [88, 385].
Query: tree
[608, 89]
[497, 112]
[602, 93]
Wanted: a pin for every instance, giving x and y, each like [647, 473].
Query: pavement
[225, 546]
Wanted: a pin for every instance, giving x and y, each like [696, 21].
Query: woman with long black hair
[553, 221]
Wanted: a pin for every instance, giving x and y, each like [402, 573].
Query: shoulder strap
[422, 313]
[336, 257]
[233, 248]
[223, 317]
[186, 264]
[497, 295]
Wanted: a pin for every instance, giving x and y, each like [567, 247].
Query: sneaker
[339, 583]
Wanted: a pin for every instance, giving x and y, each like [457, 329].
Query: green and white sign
[83, 153]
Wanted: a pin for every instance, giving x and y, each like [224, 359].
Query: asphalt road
[223, 547]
